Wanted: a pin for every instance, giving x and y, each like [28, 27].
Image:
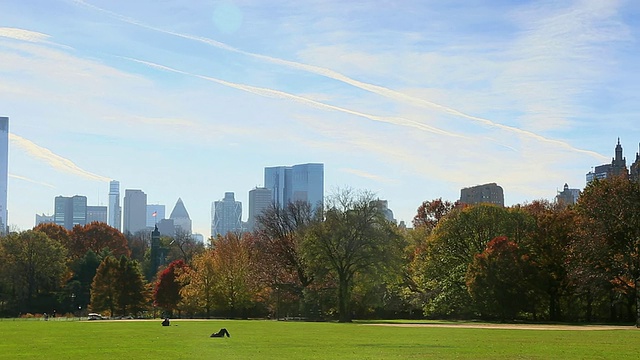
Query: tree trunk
[637, 302]
[343, 301]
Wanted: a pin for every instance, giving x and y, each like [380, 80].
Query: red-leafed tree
[97, 236]
[166, 294]
[498, 279]
[429, 213]
[55, 232]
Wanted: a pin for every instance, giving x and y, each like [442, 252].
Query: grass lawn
[189, 339]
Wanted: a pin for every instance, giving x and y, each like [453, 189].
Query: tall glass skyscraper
[226, 215]
[70, 211]
[303, 182]
[259, 200]
[4, 172]
[115, 211]
[135, 211]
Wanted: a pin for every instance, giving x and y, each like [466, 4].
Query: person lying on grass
[221, 333]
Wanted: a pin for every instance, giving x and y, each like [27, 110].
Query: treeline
[540, 262]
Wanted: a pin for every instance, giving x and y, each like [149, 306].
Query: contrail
[313, 103]
[31, 180]
[54, 160]
[376, 89]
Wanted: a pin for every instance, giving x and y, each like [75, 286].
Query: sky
[411, 100]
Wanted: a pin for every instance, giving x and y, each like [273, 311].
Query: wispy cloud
[56, 161]
[24, 35]
[31, 180]
[380, 90]
[305, 101]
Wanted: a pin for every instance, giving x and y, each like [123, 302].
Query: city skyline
[411, 100]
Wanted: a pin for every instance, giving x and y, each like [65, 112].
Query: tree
[609, 212]
[429, 213]
[183, 246]
[78, 288]
[453, 245]
[31, 265]
[234, 285]
[278, 240]
[119, 287]
[97, 236]
[198, 284]
[353, 241]
[167, 291]
[497, 279]
[55, 232]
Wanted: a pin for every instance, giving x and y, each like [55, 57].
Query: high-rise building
[135, 211]
[44, 219]
[259, 200]
[180, 217]
[115, 210]
[568, 196]
[482, 194]
[155, 213]
[618, 167]
[226, 215]
[634, 171]
[96, 213]
[70, 211]
[303, 182]
[4, 173]
[383, 207]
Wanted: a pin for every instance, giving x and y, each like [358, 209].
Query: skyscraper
[135, 211]
[303, 182]
[70, 211]
[226, 215]
[490, 193]
[4, 172]
[259, 200]
[115, 211]
[96, 213]
[617, 167]
[180, 217]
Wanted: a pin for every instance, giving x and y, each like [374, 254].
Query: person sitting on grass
[221, 333]
[165, 322]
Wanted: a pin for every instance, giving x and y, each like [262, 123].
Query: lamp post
[73, 301]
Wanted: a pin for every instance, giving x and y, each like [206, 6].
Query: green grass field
[186, 339]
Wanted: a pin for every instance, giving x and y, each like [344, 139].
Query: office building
[4, 173]
[259, 200]
[568, 196]
[618, 167]
[226, 216]
[115, 210]
[166, 227]
[180, 217]
[155, 213]
[482, 194]
[44, 219]
[96, 213]
[383, 207]
[70, 211]
[303, 182]
[135, 211]
[634, 171]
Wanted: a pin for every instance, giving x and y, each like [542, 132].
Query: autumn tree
[198, 284]
[354, 242]
[234, 284]
[498, 279]
[610, 217]
[31, 265]
[429, 213]
[183, 246]
[97, 236]
[167, 290]
[453, 245]
[119, 287]
[55, 232]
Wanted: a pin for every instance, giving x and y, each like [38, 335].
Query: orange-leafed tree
[55, 232]
[97, 236]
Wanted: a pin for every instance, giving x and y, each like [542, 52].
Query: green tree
[198, 284]
[104, 288]
[610, 241]
[119, 287]
[452, 246]
[354, 241]
[31, 265]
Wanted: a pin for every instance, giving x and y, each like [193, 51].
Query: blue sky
[412, 100]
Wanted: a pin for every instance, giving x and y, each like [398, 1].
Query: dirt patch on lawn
[512, 326]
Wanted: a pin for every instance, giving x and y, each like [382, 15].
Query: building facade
[482, 194]
[568, 196]
[4, 173]
[135, 211]
[44, 219]
[617, 167]
[260, 199]
[303, 182]
[115, 210]
[96, 213]
[226, 216]
[181, 218]
[70, 211]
